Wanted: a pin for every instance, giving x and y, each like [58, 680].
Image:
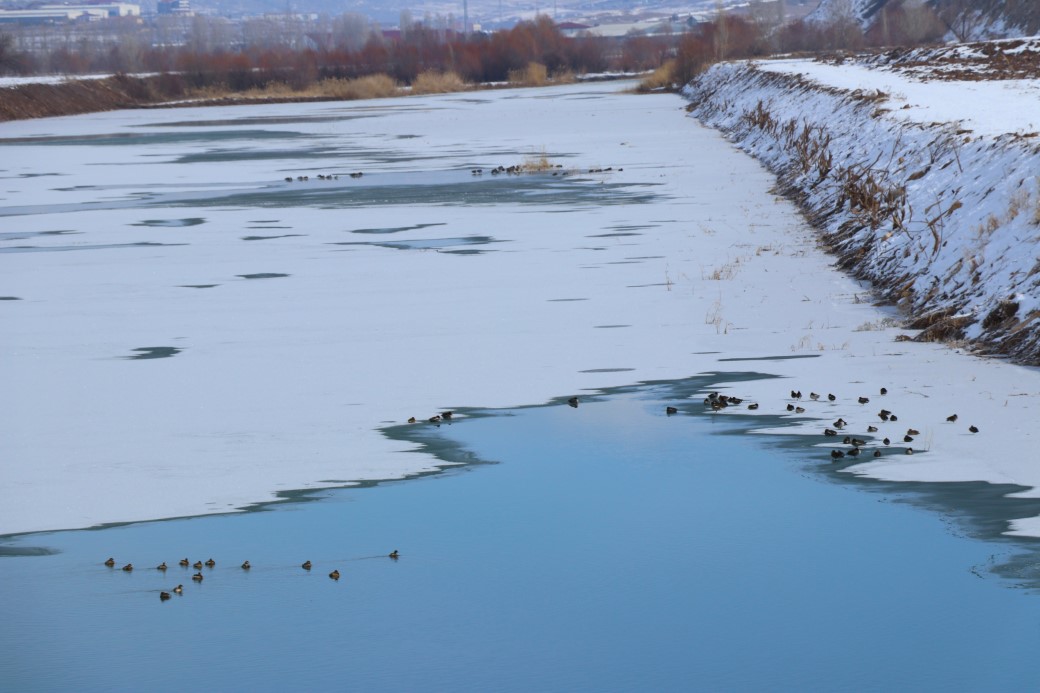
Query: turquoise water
[606, 547]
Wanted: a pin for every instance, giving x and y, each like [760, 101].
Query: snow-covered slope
[925, 185]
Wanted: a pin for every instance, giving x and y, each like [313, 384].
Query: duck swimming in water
[110, 562]
[161, 566]
[334, 575]
[306, 565]
[394, 555]
[246, 566]
[184, 562]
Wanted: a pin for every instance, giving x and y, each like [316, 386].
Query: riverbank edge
[894, 201]
[117, 92]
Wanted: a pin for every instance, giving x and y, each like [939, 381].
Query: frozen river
[205, 310]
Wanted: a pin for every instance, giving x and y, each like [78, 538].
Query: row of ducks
[322, 176]
[436, 418]
[198, 577]
[718, 402]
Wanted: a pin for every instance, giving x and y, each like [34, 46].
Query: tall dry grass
[370, 87]
[433, 82]
[534, 75]
[661, 79]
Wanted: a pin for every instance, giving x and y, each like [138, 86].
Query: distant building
[178, 7]
[61, 14]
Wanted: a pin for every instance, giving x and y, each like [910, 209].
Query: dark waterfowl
[871, 429]
[573, 401]
[394, 555]
[909, 451]
[814, 396]
[110, 562]
[753, 406]
[829, 432]
[197, 565]
[411, 419]
[197, 577]
[790, 407]
[799, 410]
[893, 418]
[163, 596]
[334, 575]
[246, 566]
[877, 453]
[973, 428]
[908, 439]
[179, 589]
[161, 566]
[211, 563]
[831, 397]
[886, 441]
[951, 418]
[837, 454]
[306, 565]
[435, 419]
[447, 414]
[184, 562]
[884, 390]
[912, 432]
[796, 394]
[671, 410]
[128, 567]
[854, 452]
[863, 400]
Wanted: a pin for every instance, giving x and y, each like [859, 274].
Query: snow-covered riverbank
[296, 318]
[921, 169]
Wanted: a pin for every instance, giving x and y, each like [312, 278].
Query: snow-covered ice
[456, 290]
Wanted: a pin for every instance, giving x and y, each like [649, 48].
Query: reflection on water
[610, 548]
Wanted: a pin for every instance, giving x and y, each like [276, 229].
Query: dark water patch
[268, 238]
[26, 551]
[607, 370]
[633, 227]
[39, 175]
[782, 357]
[565, 300]
[264, 221]
[430, 188]
[171, 223]
[262, 275]
[102, 246]
[198, 286]
[151, 138]
[644, 286]
[10, 298]
[156, 352]
[231, 155]
[21, 235]
[259, 120]
[440, 244]
[398, 229]
[617, 234]
[408, 137]
[624, 262]
[609, 327]
[646, 257]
